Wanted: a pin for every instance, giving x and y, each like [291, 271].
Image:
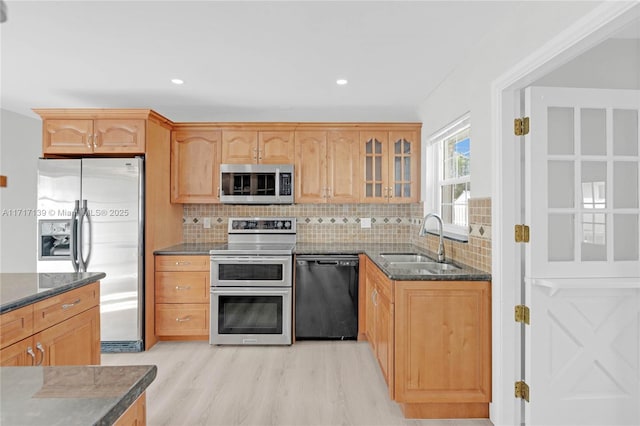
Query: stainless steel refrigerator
[91, 218]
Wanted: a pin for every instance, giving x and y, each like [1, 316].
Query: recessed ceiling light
[341, 81]
[177, 81]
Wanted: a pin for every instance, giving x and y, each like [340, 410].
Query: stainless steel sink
[406, 258]
[415, 263]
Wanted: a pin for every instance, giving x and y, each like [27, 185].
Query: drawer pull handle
[32, 355]
[41, 349]
[182, 262]
[184, 319]
[185, 287]
[70, 305]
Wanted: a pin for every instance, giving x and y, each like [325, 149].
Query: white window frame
[433, 181]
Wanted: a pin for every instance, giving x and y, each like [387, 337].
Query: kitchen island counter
[21, 289]
[74, 395]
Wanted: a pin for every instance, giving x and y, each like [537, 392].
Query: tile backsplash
[340, 223]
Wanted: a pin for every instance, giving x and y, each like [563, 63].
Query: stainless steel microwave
[256, 183]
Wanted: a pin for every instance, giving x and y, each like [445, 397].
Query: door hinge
[522, 390]
[521, 126]
[522, 314]
[522, 233]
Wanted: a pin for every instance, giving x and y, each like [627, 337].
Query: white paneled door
[582, 264]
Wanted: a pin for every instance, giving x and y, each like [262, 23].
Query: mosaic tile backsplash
[337, 223]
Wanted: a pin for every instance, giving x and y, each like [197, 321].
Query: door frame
[506, 100]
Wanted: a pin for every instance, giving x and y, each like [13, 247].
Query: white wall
[20, 147]
[468, 88]
[613, 64]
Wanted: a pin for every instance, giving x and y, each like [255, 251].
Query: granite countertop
[74, 395]
[22, 289]
[187, 249]
[373, 250]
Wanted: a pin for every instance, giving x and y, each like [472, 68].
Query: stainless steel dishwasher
[326, 301]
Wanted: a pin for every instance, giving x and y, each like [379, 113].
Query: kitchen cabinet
[380, 321]
[327, 166]
[257, 147]
[136, 414]
[390, 166]
[432, 340]
[61, 330]
[99, 136]
[195, 161]
[443, 348]
[182, 291]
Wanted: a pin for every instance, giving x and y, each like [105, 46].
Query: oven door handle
[248, 292]
[251, 259]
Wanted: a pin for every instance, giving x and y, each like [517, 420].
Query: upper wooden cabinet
[96, 131]
[257, 147]
[327, 167]
[390, 166]
[195, 161]
[71, 136]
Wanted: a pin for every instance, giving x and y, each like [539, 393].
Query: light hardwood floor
[309, 383]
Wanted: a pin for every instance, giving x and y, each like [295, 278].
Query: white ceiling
[239, 60]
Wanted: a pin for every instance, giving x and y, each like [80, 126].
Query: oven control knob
[287, 224]
[279, 225]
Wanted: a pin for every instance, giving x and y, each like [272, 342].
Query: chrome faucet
[423, 231]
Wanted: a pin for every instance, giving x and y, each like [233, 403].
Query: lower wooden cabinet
[182, 291]
[379, 321]
[62, 330]
[136, 414]
[432, 340]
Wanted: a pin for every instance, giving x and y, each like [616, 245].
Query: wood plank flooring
[309, 383]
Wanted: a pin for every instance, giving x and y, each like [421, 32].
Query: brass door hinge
[522, 233]
[522, 390]
[521, 126]
[522, 314]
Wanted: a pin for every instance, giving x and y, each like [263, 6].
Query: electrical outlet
[207, 222]
[365, 222]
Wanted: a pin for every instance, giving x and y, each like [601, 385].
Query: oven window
[250, 315]
[248, 272]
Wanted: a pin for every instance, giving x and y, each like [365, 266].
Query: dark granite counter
[373, 250]
[75, 395]
[188, 249]
[22, 289]
[397, 272]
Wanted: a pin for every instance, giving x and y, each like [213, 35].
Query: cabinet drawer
[182, 319]
[58, 308]
[16, 325]
[182, 287]
[182, 263]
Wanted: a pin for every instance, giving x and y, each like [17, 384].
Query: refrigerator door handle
[84, 212]
[73, 238]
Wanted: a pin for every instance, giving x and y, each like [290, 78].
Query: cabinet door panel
[75, 341]
[65, 305]
[374, 159]
[195, 161]
[67, 136]
[404, 153]
[276, 148]
[239, 147]
[182, 263]
[310, 167]
[19, 354]
[116, 136]
[384, 338]
[443, 340]
[343, 167]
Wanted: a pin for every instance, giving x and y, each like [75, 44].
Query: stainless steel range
[251, 283]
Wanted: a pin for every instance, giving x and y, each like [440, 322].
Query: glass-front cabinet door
[390, 166]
